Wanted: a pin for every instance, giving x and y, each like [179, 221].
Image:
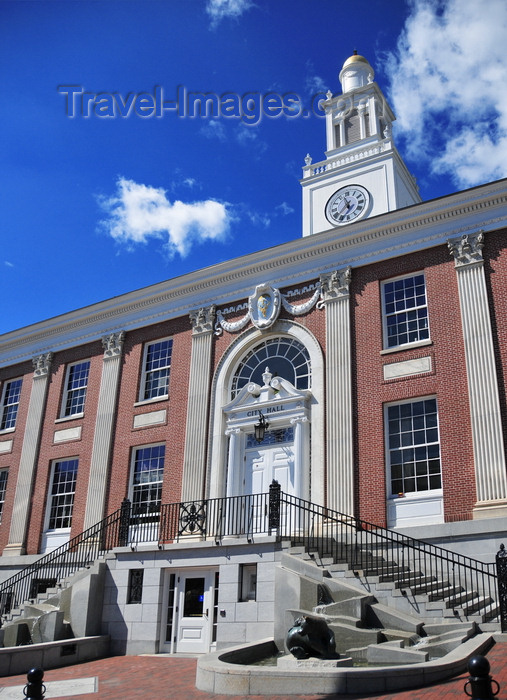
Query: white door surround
[251, 467]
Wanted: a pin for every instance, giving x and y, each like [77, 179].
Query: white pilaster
[194, 461]
[489, 454]
[340, 456]
[102, 438]
[29, 453]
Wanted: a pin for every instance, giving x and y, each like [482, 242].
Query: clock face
[347, 205]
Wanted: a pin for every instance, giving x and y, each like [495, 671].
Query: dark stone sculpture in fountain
[311, 636]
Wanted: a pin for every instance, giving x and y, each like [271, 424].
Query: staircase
[434, 597]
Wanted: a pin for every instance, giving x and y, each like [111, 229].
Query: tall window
[405, 311]
[147, 477]
[413, 446]
[157, 365]
[10, 404]
[75, 389]
[285, 357]
[3, 488]
[63, 489]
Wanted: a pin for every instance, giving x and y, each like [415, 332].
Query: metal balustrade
[413, 565]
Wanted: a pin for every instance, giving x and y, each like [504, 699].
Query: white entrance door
[194, 597]
[262, 465]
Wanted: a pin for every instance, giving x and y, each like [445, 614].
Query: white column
[301, 457]
[103, 434]
[235, 467]
[29, 454]
[194, 460]
[489, 453]
[340, 454]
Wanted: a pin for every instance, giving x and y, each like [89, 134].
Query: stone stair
[411, 591]
[64, 611]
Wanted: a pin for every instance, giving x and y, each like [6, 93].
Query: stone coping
[216, 674]
[65, 652]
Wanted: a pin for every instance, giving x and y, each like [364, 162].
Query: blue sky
[97, 204]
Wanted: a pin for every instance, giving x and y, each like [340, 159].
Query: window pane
[77, 382]
[416, 447]
[3, 487]
[157, 369]
[63, 489]
[405, 311]
[147, 479]
[10, 404]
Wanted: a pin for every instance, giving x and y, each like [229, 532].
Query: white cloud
[213, 129]
[284, 209]
[138, 213]
[314, 84]
[8, 264]
[448, 87]
[220, 9]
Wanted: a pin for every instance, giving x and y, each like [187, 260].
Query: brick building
[371, 352]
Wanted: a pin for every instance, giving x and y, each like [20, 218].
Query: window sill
[7, 430]
[75, 416]
[408, 346]
[147, 402]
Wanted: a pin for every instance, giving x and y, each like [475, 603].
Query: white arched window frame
[221, 393]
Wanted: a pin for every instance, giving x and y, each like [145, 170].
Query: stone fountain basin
[230, 672]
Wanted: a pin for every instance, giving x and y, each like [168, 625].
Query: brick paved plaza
[131, 677]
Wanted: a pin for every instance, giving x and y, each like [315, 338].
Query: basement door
[190, 609]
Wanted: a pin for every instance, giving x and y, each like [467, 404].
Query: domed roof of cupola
[356, 72]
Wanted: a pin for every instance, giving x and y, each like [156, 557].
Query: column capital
[467, 250]
[113, 344]
[335, 285]
[42, 365]
[202, 320]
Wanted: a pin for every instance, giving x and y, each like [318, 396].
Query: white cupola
[356, 73]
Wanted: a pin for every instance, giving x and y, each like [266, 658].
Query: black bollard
[480, 681]
[35, 688]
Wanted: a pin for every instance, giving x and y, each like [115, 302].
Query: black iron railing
[80, 552]
[414, 565]
[365, 547]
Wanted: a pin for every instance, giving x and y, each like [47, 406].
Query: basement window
[247, 582]
[135, 588]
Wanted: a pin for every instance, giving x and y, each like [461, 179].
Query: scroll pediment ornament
[467, 250]
[264, 307]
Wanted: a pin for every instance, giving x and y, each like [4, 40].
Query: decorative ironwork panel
[135, 589]
[192, 518]
[274, 505]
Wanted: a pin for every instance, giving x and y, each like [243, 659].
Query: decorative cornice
[418, 227]
[202, 320]
[467, 250]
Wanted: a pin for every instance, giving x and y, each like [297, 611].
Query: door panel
[195, 611]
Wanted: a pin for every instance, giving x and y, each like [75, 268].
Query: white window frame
[132, 486]
[4, 406]
[388, 314]
[68, 390]
[146, 373]
[413, 445]
[3, 489]
[49, 504]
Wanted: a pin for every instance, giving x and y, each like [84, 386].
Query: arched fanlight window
[285, 357]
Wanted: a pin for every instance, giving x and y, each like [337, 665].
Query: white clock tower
[363, 174]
